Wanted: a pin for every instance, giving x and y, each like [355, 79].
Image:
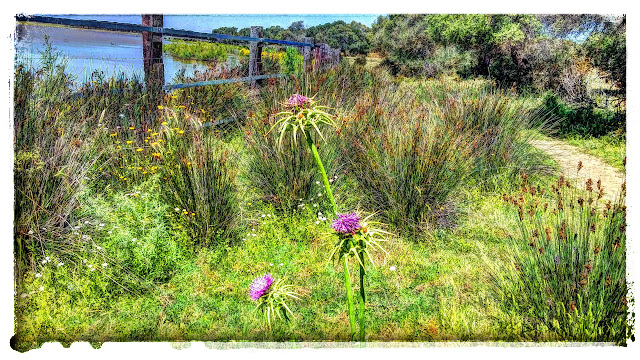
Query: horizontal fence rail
[221, 81]
[124, 27]
[315, 56]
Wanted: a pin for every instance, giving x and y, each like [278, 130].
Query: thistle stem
[325, 180]
[362, 298]
[352, 315]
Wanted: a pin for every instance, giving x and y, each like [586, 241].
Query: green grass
[125, 264]
[437, 291]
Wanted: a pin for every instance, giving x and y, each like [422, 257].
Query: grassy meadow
[135, 219]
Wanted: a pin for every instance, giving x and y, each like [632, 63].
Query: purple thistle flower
[346, 223]
[260, 286]
[298, 100]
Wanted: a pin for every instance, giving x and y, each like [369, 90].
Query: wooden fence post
[255, 55]
[152, 53]
[306, 53]
[321, 56]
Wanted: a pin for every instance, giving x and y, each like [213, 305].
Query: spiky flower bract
[270, 295]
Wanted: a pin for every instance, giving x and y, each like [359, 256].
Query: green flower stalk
[355, 238]
[305, 116]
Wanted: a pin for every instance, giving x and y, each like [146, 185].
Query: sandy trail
[568, 156]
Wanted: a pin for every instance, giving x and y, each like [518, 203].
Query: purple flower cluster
[346, 223]
[260, 286]
[298, 100]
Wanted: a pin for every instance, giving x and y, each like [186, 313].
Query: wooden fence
[316, 56]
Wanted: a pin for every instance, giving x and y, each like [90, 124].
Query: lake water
[87, 51]
[113, 53]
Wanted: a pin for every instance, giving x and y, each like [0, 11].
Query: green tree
[608, 50]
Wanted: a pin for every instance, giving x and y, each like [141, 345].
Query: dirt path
[568, 156]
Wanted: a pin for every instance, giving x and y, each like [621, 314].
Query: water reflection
[88, 51]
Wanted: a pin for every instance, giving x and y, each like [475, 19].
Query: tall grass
[54, 151]
[413, 146]
[406, 163]
[569, 276]
[199, 174]
[199, 50]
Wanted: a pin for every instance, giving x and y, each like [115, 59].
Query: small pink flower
[298, 100]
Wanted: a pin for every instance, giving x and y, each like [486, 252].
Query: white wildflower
[41, 288]
[38, 275]
[104, 264]
[393, 268]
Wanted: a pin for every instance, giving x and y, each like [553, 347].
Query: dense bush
[449, 60]
[583, 120]
[403, 171]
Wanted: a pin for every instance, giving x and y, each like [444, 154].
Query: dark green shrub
[583, 120]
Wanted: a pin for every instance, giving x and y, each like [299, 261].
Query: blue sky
[205, 23]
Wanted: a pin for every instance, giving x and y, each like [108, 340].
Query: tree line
[537, 52]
